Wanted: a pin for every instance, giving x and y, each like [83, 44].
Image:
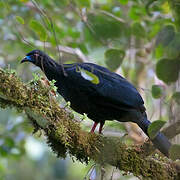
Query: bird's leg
[94, 127]
[100, 127]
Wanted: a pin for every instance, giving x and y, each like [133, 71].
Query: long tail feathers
[160, 141]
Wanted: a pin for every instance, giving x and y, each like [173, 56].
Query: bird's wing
[112, 89]
[120, 93]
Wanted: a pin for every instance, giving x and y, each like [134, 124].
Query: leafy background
[139, 39]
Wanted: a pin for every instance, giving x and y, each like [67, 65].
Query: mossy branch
[64, 134]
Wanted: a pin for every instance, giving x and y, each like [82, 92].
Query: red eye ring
[36, 56]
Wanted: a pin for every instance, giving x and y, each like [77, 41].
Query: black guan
[113, 98]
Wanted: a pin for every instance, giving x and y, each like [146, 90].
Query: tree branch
[65, 49]
[172, 130]
[64, 135]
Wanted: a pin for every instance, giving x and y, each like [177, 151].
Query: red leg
[100, 127]
[94, 127]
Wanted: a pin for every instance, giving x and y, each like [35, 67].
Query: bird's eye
[36, 56]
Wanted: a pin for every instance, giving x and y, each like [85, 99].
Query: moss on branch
[64, 134]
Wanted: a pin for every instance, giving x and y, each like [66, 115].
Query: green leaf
[168, 70]
[4, 151]
[36, 77]
[89, 76]
[172, 50]
[138, 30]
[82, 3]
[174, 152]
[52, 85]
[5, 5]
[157, 91]
[114, 58]
[2, 4]
[9, 142]
[155, 28]
[105, 27]
[123, 2]
[159, 51]
[166, 35]
[20, 20]
[137, 12]
[176, 97]
[154, 128]
[39, 29]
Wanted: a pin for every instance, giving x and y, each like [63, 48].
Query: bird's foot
[94, 127]
[100, 127]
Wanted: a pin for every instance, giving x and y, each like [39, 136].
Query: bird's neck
[52, 69]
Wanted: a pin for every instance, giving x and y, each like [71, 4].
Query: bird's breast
[79, 99]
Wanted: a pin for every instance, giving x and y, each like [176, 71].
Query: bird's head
[36, 57]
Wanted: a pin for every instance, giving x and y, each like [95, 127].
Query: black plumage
[113, 98]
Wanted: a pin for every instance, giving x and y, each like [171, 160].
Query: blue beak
[27, 59]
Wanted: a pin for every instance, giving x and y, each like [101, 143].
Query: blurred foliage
[168, 70]
[114, 58]
[175, 151]
[176, 97]
[157, 91]
[140, 39]
[155, 127]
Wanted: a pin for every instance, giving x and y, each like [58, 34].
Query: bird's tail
[160, 141]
